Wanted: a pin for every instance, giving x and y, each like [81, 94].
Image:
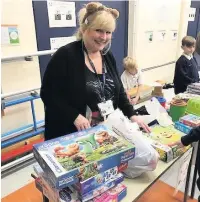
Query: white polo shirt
[130, 81]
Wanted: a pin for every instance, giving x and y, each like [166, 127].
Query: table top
[137, 186]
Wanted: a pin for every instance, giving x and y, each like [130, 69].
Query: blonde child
[131, 78]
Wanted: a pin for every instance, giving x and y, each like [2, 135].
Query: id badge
[106, 108]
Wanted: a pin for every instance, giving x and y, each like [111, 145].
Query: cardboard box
[190, 120]
[182, 127]
[100, 179]
[76, 157]
[103, 188]
[115, 194]
[145, 91]
[160, 137]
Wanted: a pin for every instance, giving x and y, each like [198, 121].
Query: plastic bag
[146, 157]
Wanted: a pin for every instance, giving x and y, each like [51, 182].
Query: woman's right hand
[81, 123]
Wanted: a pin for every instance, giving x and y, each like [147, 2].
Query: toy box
[160, 137]
[100, 179]
[101, 189]
[115, 194]
[78, 156]
[182, 127]
[190, 120]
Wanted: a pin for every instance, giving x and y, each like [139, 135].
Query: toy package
[190, 120]
[182, 127]
[115, 194]
[101, 189]
[160, 137]
[100, 179]
[78, 156]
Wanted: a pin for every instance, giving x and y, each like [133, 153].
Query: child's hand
[177, 143]
[134, 101]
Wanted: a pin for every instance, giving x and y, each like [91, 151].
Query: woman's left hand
[141, 123]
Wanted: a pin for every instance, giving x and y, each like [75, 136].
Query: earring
[106, 49]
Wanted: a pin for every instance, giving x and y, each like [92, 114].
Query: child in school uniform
[131, 78]
[186, 66]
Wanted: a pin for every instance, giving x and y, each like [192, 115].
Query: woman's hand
[81, 123]
[141, 123]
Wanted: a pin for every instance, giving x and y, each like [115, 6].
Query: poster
[9, 35]
[174, 34]
[60, 41]
[61, 14]
[192, 13]
[149, 36]
[184, 163]
[161, 35]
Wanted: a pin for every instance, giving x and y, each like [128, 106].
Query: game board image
[81, 155]
[165, 135]
[161, 137]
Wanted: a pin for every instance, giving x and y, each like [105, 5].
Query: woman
[83, 73]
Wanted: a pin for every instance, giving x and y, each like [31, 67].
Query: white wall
[21, 75]
[155, 15]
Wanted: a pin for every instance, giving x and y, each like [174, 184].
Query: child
[186, 66]
[131, 78]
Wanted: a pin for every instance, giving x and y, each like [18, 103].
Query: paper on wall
[61, 14]
[9, 35]
[57, 42]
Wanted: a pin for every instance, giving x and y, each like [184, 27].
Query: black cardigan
[185, 73]
[64, 86]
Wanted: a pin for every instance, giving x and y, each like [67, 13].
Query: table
[138, 186]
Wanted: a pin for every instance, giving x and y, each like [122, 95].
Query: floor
[20, 187]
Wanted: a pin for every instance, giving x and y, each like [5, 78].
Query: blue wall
[44, 33]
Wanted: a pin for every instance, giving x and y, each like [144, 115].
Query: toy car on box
[78, 156]
[161, 137]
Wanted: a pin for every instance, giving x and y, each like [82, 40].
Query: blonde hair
[130, 64]
[188, 41]
[96, 16]
[198, 43]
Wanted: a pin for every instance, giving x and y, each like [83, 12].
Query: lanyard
[103, 98]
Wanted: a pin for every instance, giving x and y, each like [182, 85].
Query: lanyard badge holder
[105, 107]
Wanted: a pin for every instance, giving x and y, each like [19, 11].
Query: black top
[185, 73]
[193, 136]
[93, 90]
[63, 89]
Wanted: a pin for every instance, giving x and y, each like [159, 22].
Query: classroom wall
[155, 16]
[20, 75]
[17, 76]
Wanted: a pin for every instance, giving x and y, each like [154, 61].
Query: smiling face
[96, 40]
[97, 32]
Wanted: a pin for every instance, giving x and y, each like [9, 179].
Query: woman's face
[96, 40]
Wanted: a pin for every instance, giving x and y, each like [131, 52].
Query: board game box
[161, 137]
[190, 120]
[98, 180]
[182, 127]
[78, 156]
[101, 189]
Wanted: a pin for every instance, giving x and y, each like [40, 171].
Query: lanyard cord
[103, 98]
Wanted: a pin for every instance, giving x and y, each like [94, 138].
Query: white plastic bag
[146, 157]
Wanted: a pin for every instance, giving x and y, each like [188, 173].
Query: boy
[186, 66]
[131, 78]
[193, 136]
